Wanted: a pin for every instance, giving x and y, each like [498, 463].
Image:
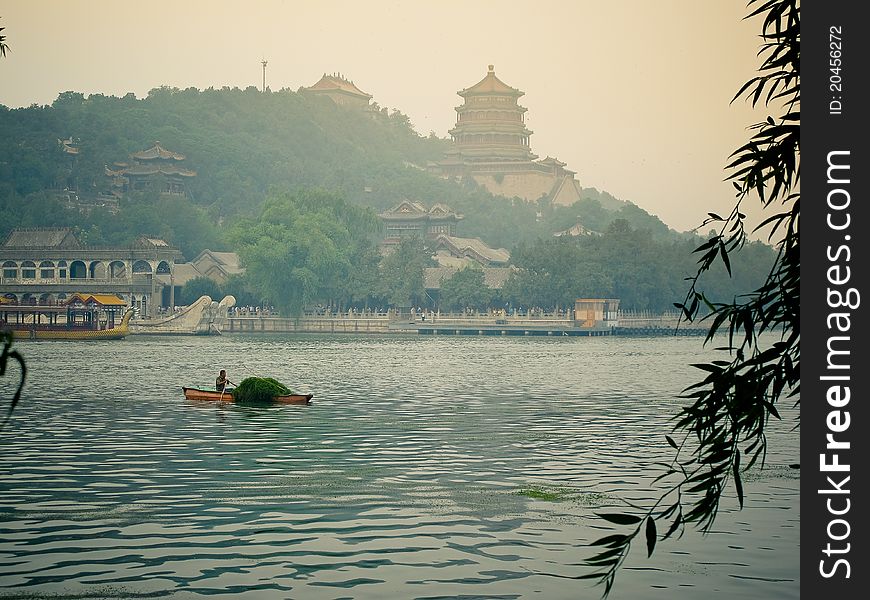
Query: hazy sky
[632, 94]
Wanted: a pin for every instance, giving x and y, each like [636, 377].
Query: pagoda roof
[154, 170]
[491, 85]
[440, 209]
[404, 210]
[337, 83]
[578, 229]
[158, 151]
[409, 209]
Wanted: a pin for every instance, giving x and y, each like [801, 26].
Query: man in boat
[221, 382]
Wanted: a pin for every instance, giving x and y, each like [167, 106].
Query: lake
[426, 467]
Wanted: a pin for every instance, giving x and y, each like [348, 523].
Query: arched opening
[46, 270]
[10, 298]
[97, 270]
[163, 268]
[78, 270]
[141, 266]
[10, 270]
[28, 299]
[46, 299]
[28, 270]
[117, 270]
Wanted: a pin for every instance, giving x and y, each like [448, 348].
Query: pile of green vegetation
[259, 389]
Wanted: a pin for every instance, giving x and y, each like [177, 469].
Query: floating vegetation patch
[592, 498]
[546, 494]
[560, 494]
[771, 472]
[259, 389]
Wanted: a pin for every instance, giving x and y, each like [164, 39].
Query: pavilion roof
[404, 210]
[440, 209]
[155, 169]
[491, 85]
[336, 82]
[158, 151]
[578, 229]
[410, 209]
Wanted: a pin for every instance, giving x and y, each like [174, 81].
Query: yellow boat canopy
[105, 300]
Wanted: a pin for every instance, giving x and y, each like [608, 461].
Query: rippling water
[401, 480]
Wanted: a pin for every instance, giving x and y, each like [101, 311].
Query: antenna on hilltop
[264, 62]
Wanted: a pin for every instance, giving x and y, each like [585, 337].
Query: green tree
[198, 287]
[466, 289]
[402, 273]
[303, 248]
[239, 287]
[723, 428]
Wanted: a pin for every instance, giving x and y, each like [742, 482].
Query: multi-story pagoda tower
[491, 145]
[490, 125]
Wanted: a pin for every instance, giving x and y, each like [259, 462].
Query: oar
[221, 399]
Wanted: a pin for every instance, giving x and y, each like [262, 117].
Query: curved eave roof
[157, 151]
[491, 127]
[490, 85]
[467, 108]
[329, 83]
[155, 170]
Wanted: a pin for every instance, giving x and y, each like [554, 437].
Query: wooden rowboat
[197, 394]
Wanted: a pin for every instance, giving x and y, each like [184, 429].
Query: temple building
[438, 224]
[340, 90]
[156, 164]
[410, 218]
[491, 145]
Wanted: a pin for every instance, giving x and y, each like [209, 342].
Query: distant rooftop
[158, 151]
[336, 82]
[42, 237]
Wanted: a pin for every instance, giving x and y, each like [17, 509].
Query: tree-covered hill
[242, 143]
